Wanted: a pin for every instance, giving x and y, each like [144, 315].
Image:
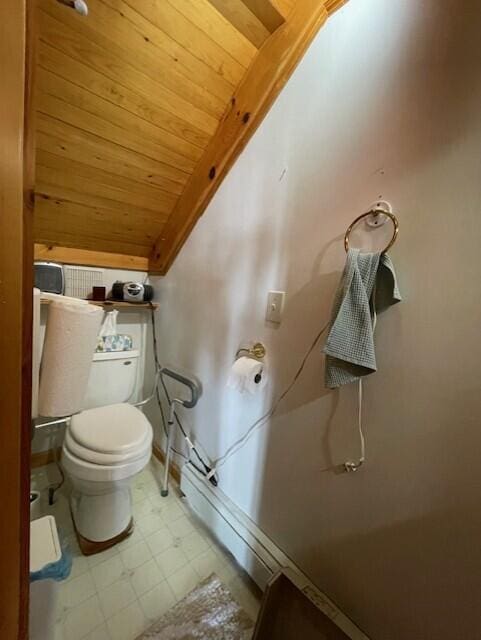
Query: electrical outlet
[275, 306]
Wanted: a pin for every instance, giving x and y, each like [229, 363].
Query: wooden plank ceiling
[142, 107]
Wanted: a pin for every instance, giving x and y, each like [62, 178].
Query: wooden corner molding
[267, 75]
[334, 5]
[88, 258]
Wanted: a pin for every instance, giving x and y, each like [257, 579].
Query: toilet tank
[113, 378]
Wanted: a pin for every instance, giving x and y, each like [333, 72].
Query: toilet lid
[114, 429]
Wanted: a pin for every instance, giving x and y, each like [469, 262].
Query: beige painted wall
[387, 102]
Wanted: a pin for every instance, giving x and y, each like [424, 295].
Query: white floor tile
[83, 619]
[80, 565]
[172, 511]
[184, 505]
[183, 581]
[77, 590]
[194, 544]
[127, 624]
[209, 562]
[146, 577]
[150, 524]
[116, 596]
[244, 596]
[152, 488]
[98, 558]
[142, 508]
[134, 538]
[160, 502]
[157, 601]
[107, 572]
[136, 555]
[138, 494]
[171, 560]
[58, 633]
[181, 527]
[160, 540]
[100, 633]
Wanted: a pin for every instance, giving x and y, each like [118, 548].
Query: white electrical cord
[354, 466]
[349, 466]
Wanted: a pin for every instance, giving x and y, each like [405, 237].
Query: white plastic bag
[109, 325]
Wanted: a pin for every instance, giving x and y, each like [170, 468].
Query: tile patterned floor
[117, 594]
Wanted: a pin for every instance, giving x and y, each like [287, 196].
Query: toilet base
[90, 547]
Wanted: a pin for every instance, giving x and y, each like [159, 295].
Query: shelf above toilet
[114, 304]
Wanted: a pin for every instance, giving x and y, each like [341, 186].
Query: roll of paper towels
[70, 341]
[247, 375]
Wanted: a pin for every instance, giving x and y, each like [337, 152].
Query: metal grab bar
[195, 390]
[192, 384]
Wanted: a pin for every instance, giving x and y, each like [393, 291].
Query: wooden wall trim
[16, 175]
[334, 5]
[41, 458]
[267, 75]
[87, 258]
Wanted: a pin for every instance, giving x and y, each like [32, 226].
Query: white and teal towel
[349, 347]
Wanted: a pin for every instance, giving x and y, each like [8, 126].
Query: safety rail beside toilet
[195, 391]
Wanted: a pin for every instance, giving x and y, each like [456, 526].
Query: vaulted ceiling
[142, 107]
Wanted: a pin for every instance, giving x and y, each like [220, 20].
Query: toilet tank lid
[115, 428]
[116, 355]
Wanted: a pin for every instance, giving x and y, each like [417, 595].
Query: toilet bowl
[104, 449]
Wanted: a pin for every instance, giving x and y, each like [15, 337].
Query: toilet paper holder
[257, 351]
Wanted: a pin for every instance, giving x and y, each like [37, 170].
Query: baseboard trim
[41, 458]
[256, 553]
[173, 468]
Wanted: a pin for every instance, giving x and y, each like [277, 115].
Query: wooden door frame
[17, 61]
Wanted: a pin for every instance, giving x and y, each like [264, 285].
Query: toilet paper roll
[247, 375]
[70, 341]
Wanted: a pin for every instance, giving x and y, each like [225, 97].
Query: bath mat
[207, 613]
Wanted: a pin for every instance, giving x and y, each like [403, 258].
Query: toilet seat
[107, 443]
[116, 429]
[110, 459]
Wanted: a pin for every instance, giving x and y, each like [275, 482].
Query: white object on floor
[104, 448]
[70, 341]
[44, 549]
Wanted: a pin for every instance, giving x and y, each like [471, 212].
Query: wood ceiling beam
[255, 19]
[266, 12]
[284, 7]
[83, 257]
[266, 77]
[334, 5]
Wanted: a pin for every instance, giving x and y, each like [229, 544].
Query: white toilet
[105, 446]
